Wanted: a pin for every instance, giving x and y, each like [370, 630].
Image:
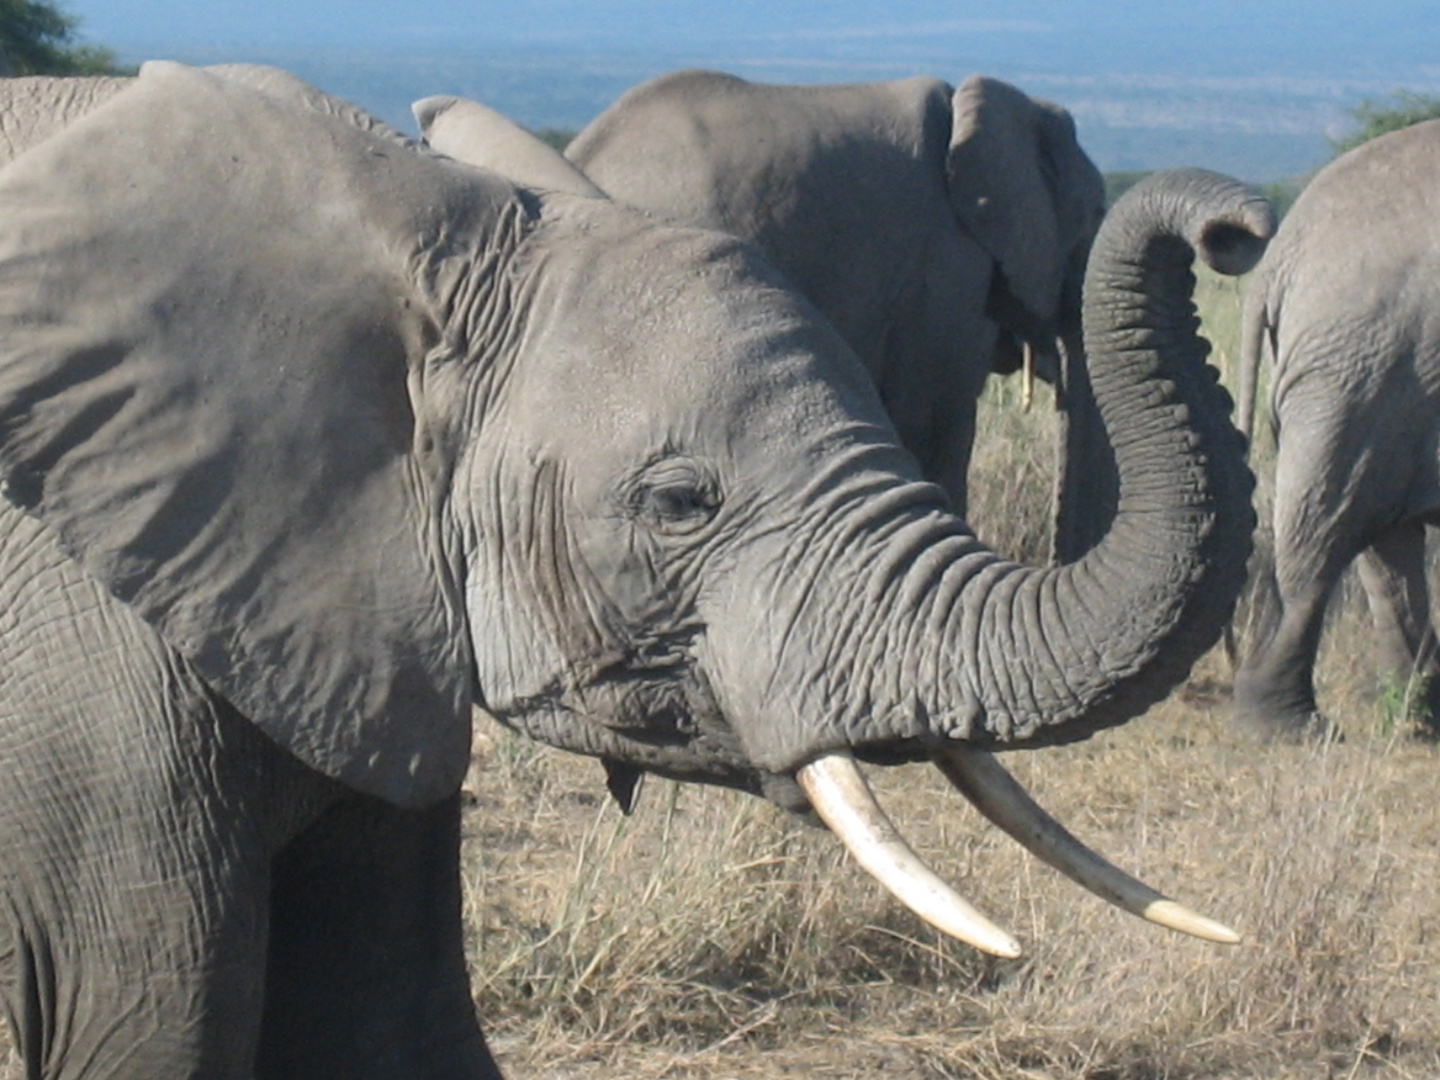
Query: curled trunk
[1021, 656]
[1050, 655]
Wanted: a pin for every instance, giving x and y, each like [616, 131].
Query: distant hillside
[1257, 128]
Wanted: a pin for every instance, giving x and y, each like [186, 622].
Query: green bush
[1380, 118]
[37, 38]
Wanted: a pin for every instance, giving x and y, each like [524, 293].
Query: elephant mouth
[842, 799]
[665, 714]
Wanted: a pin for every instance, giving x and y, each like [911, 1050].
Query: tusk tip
[1178, 917]
[843, 800]
[1008, 949]
[984, 781]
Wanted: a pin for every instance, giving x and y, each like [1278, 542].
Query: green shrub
[1380, 118]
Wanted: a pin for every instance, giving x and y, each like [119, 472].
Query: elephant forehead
[674, 332]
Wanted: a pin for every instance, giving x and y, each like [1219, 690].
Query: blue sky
[1248, 86]
[1214, 33]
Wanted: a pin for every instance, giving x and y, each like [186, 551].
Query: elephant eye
[673, 497]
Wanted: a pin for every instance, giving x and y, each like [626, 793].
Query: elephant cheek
[516, 661]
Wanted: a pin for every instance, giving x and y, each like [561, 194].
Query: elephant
[942, 231]
[312, 439]
[1347, 304]
[33, 107]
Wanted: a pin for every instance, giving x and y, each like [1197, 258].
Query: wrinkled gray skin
[35, 107]
[1347, 304]
[937, 228]
[311, 440]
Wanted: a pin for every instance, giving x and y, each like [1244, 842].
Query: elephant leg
[137, 822]
[1392, 570]
[1275, 690]
[1319, 528]
[367, 974]
[136, 951]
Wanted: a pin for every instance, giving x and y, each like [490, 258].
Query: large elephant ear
[215, 338]
[477, 135]
[1001, 175]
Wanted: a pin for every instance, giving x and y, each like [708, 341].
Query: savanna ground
[709, 936]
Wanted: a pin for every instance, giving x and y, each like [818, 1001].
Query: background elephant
[311, 439]
[35, 107]
[938, 229]
[1347, 302]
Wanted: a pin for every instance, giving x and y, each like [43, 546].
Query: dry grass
[709, 934]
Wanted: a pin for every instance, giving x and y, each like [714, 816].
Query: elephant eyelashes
[673, 497]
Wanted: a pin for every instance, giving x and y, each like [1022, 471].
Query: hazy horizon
[1255, 93]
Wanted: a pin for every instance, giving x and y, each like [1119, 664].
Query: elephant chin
[842, 798]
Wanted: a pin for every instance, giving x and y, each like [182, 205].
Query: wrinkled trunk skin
[1098, 641]
[906, 631]
[1052, 655]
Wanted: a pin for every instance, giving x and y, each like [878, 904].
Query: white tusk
[999, 796]
[1027, 376]
[845, 802]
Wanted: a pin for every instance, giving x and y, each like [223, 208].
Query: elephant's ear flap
[477, 135]
[211, 343]
[1001, 178]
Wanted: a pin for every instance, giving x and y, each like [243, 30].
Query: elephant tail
[1255, 328]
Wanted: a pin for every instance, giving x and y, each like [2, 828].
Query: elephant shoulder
[1388, 177]
[667, 107]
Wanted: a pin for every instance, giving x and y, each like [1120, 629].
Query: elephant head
[368, 435]
[943, 231]
[1021, 185]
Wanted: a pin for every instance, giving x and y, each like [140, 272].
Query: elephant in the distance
[33, 107]
[1347, 304]
[943, 231]
[312, 439]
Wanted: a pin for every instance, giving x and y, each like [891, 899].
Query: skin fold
[35, 107]
[939, 229]
[312, 440]
[1343, 304]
